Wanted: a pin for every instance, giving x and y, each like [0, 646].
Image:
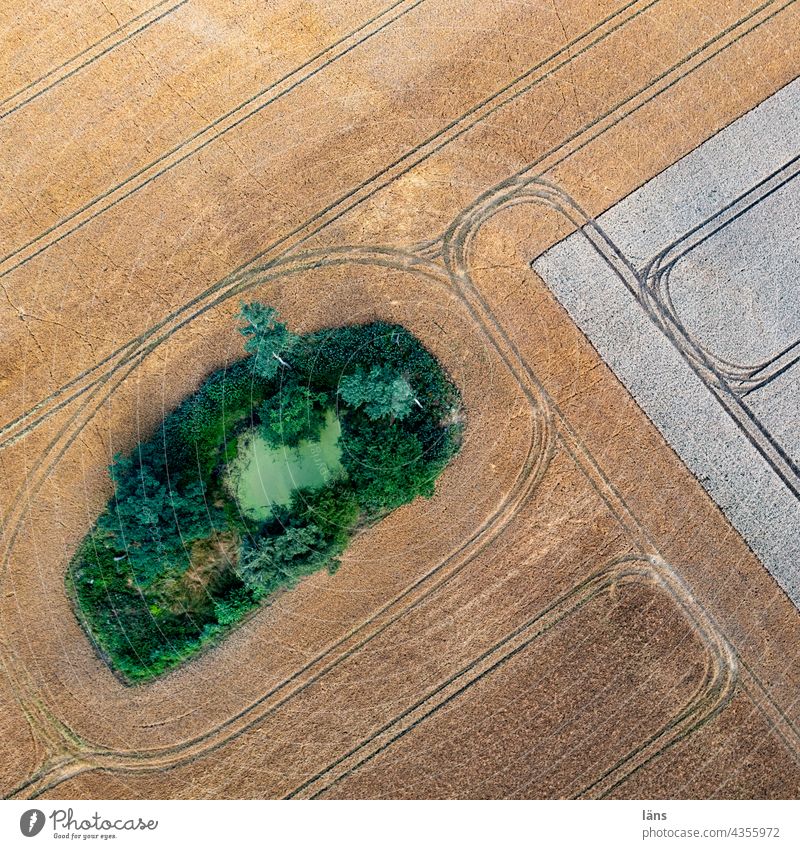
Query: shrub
[126, 577]
[267, 338]
[383, 392]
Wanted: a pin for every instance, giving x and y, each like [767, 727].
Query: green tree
[382, 391]
[267, 339]
[151, 520]
[333, 508]
[293, 414]
[233, 607]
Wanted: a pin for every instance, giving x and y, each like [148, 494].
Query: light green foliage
[382, 392]
[268, 340]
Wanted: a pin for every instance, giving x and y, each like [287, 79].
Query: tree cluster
[395, 406]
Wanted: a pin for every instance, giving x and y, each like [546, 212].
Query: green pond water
[262, 476]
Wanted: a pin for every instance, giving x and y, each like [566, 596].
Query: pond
[262, 476]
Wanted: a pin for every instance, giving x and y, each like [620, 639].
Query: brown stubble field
[570, 614]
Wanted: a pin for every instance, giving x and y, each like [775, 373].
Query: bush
[234, 606]
[335, 509]
[293, 414]
[386, 464]
[267, 338]
[383, 392]
[149, 520]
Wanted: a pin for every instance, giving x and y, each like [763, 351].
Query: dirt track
[570, 614]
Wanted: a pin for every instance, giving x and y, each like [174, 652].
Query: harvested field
[571, 613]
